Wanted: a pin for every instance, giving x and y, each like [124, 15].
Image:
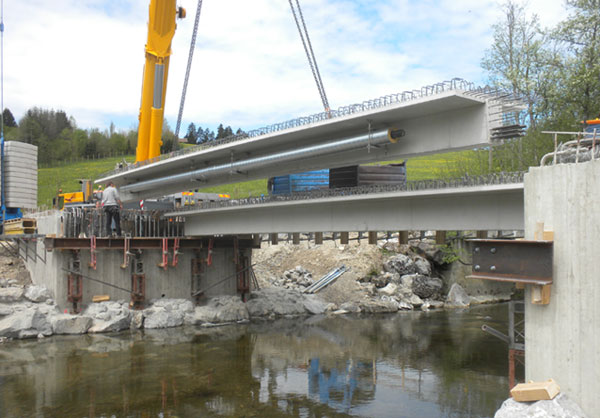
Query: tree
[220, 131]
[516, 59]
[192, 134]
[579, 34]
[8, 119]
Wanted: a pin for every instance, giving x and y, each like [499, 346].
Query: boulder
[275, 302]
[314, 305]
[219, 310]
[10, 294]
[559, 407]
[427, 287]
[422, 266]
[404, 306]
[457, 297]
[382, 280]
[430, 250]
[115, 323]
[108, 316]
[352, 307]
[379, 306]
[389, 290]
[415, 301]
[401, 264]
[6, 309]
[37, 294]
[161, 318]
[137, 320]
[28, 323]
[173, 305]
[70, 324]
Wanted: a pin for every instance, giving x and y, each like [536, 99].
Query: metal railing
[465, 181]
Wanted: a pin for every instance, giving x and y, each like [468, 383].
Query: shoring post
[75, 282]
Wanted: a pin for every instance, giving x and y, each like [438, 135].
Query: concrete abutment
[563, 338]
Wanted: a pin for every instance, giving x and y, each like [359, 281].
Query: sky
[249, 70]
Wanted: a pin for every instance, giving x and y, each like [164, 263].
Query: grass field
[66, 177]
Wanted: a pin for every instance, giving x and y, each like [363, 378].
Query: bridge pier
[562, 339]
[191, 268]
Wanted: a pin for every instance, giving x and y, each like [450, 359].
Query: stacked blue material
[300, 182]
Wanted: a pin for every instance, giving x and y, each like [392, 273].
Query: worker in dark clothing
[111, 202]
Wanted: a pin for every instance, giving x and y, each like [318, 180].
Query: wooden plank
[535, 391]
[540, 294]
[100, 298]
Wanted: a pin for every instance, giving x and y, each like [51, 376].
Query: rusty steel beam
[517, 261]
[141, 243]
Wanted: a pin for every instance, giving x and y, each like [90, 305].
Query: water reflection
[416, 364]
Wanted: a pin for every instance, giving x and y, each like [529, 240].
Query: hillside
[66, 177]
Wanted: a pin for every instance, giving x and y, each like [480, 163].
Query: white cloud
[86, 56]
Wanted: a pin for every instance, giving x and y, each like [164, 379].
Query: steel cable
[188, 68]
[310, 55]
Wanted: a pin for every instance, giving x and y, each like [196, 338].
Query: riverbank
[383, 278]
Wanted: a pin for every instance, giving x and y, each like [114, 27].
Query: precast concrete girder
[494, 207]
[448, 121]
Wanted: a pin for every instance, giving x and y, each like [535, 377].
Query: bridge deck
[492, 207]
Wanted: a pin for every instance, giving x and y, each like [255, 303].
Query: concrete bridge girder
[446, 122]
[497, 207]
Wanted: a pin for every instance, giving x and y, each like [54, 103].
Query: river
[410, 364]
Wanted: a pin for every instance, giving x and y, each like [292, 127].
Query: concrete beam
[495, 207]
[448, 121]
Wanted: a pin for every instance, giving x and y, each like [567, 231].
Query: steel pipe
[203, 174]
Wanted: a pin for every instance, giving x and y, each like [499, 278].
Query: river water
[410, 364]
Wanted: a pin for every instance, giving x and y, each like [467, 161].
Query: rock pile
[30, 312]
[298, 279]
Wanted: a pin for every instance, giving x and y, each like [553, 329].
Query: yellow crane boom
[161, 28]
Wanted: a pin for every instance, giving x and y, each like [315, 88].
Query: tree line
[202, 136]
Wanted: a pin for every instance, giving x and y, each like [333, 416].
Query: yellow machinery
[76, 199]
[161, 28]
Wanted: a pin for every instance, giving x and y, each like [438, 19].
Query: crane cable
[189, 67]
[308, 49]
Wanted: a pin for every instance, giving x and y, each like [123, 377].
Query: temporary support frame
[75, 282]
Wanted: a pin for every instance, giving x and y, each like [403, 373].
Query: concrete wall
[563, 338]
[174, 282]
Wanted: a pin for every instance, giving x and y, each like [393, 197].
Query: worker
[111, 202]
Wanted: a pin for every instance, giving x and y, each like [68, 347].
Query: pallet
[20, 226]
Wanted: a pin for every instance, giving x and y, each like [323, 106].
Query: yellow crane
[161, 28]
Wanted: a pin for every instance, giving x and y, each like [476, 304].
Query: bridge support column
[318, 238]
[440, 237]
[373, 237]
[344, 238]
[562, 338]
[402, 237]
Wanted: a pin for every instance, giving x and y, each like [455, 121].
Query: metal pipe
[374, 138]
[496, 333]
